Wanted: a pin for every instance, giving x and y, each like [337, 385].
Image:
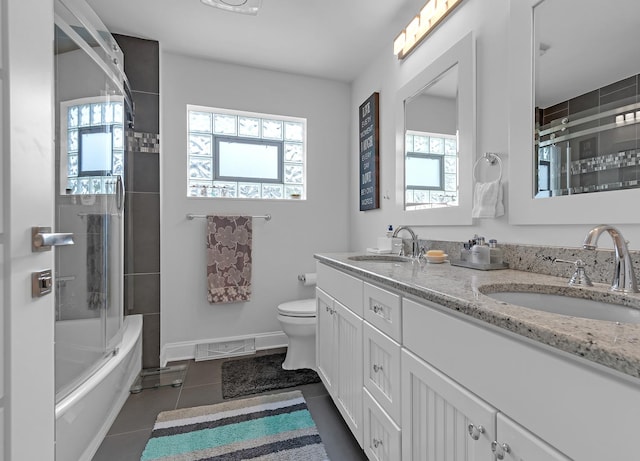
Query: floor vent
[209, 351]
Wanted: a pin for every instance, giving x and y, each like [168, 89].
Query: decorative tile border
[143, 142]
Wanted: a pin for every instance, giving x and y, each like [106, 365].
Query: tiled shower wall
[142, 183]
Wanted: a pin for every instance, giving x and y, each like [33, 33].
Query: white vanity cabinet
[549, 405]
[339, 343]
[416, 381]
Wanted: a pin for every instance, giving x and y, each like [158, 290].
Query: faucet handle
[580, 276]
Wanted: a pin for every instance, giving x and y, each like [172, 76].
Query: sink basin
[380, 258]
[567, 305]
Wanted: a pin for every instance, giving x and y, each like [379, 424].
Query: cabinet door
[515, 443]
[381, 435]
[441, 420]
[347, 385]
[381, 371]
[325, 339]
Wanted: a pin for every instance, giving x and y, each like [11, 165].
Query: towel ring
[491, 159]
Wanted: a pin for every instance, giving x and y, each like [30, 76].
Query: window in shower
[245, 155]
[93, 139]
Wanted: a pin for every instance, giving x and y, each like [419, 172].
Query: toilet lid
[299, 308]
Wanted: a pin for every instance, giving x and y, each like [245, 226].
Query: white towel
[487, 200]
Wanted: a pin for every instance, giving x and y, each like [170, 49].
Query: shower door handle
[119, 193]
[42, 239]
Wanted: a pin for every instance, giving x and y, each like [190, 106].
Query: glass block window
[234, 154]
[94, 146]
[431, 170]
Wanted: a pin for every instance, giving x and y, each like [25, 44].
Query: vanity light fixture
[432, 14]
[236, 6]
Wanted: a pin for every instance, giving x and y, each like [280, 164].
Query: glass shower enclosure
[94, 109]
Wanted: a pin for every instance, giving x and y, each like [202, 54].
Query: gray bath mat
[261, 373]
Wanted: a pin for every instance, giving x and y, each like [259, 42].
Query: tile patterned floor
[202, 386]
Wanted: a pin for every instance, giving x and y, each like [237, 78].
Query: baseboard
[186, 350]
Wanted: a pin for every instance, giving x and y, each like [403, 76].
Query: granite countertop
[611, 344]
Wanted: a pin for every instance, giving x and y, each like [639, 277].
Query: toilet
[298, 320]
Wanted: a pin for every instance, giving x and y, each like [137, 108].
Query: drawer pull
[475, 431]
[378, 309]
[377, 368]
[499, 450]
[377, 443]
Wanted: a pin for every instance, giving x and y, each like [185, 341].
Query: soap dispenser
[480, 252]
[495, 253]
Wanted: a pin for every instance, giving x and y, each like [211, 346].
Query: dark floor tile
[313, 390]
[196, 396]
[140, 410]
[204, 372]
[123, 447]
[336, 436]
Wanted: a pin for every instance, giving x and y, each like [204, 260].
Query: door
[27, 387]
[440, 418]
[515, 443]
[325, 339]
[348, 381]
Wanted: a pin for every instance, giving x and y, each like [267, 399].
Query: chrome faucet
[624, 278]
[415, 251]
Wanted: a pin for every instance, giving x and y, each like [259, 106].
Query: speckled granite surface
[616, 346]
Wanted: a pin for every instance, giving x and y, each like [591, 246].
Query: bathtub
[84, 416]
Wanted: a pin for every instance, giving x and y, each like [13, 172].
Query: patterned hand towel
[228, 259]
[97, 260]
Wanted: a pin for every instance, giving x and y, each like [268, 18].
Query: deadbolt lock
[41, 283]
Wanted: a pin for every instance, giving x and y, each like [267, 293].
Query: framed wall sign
[369, 125]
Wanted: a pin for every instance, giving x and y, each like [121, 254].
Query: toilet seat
[299, 308]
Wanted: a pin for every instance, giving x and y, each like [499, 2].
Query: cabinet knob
[377, 443]
[377, 309]
[499, 450]
[377, 368]
[475, 431]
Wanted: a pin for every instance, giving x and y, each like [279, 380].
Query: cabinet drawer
[381, 367]
[341, 286]
[382, 437]
[382, 309]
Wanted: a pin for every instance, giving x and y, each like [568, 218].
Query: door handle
[119, 193]
[42, 239]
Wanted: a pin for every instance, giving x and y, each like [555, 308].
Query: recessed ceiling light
[236, 6]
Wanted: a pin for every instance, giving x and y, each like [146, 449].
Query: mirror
[436, 139]
[586, 129]
[431, 144]
[536, 83]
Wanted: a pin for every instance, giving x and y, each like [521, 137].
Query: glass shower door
[92, 113]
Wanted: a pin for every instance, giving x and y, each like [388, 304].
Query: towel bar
[191, 216]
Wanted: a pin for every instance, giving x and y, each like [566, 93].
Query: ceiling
[334, 39]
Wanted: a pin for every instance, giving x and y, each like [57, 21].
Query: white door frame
[27, 395]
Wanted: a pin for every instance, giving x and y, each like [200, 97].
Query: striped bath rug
[263, 428]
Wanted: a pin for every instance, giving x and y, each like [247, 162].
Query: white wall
[282, 247]
[431, 114]
[488, 20]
